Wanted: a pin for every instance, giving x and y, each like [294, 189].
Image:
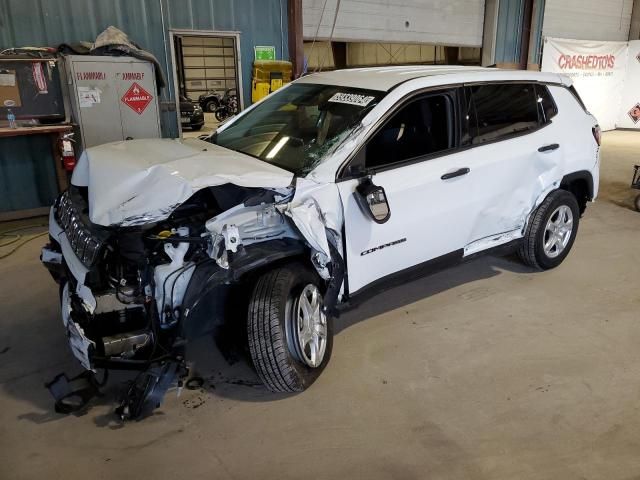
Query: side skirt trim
[403, 276]
[422, 270]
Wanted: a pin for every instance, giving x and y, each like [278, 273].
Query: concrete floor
[485, 371]
[210, 124]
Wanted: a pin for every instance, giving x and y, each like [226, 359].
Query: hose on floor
[15, 238]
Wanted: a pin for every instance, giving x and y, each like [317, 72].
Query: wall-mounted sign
[264, 52]
[598, 70]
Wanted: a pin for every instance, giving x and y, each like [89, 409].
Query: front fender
[205, 300]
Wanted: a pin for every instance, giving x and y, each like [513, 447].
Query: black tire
[531, 251]
[636, 203]
[196, 128]
[221, 114]
[271, 308]
[211, 106]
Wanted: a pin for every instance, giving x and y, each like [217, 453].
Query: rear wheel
[551, 231]
[290, 337]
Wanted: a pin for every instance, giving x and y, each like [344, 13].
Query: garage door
[208, 63]
[454, 23]
[588, 19]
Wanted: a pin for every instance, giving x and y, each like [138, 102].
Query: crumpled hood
[139, 181]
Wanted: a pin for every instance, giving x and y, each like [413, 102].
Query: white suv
[326, 190]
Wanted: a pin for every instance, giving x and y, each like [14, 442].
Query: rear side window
[546, 106]
[496, 111]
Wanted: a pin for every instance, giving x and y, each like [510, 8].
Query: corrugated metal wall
[510, 16]
[147, 22]
[537, 21]
[509, 26]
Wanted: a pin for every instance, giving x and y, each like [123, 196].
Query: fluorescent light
[274, 151]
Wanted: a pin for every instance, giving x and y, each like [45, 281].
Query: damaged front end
[133, 296]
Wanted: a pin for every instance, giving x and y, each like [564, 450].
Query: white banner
[629, 116]
[598, 70]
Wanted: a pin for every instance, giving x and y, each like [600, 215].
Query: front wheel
[551, 231]
[636, 203]
[211, 106]
[221, 114]
[290, 337]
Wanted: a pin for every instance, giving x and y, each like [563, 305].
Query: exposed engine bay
[133, 296]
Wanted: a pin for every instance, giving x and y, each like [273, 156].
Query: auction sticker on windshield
[352, 99]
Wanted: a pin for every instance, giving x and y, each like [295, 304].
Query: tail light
[68, 156]
[597, 134]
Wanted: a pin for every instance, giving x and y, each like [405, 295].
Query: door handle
[455, 173]
[550, 147]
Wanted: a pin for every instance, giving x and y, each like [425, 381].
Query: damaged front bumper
[58, 257]
[132, 296]
[85, 316]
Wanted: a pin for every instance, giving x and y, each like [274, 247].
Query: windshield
[299, 126]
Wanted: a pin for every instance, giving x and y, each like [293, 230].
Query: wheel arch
[580, 184]
[530, 247]
[212, 287]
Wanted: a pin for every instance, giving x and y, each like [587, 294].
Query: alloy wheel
[558, 230]
[309, 327]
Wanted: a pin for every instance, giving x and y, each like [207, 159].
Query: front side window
[496, 111]
[299, 126]
[422, 127]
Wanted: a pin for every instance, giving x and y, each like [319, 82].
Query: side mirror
[356, 171]
[372, 200]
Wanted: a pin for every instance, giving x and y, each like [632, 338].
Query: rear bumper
[193, 121]
[595, 173]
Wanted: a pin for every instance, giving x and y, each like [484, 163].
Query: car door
[413, 155]
[512, 156]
